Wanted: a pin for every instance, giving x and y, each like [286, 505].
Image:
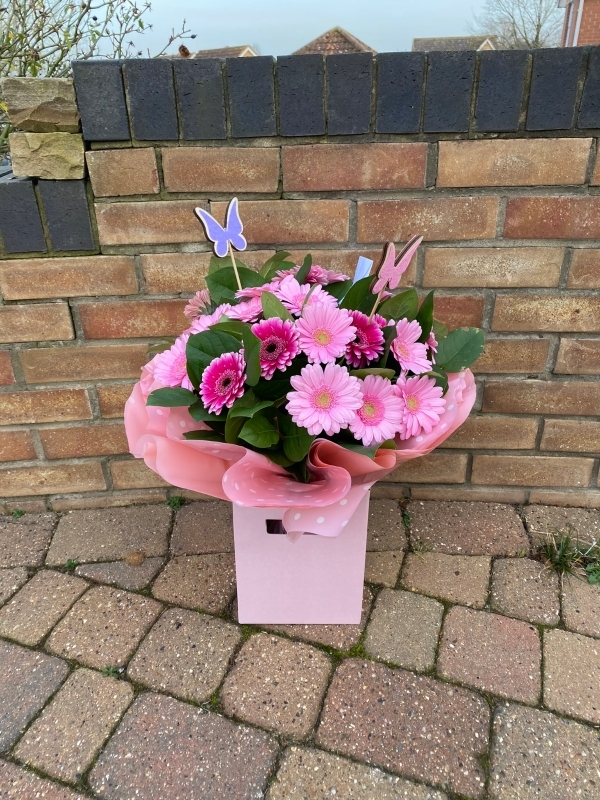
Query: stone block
[456, 579]
[120, 573]
[448, 94]
[251, 87]
[204, 582]
[500, 89]
[581, 606]
[10, 581]
[525, 589]
[151, 98]
[22, 783]
[67, 214]
[383, 568]
[101, 100]
[385, 529]
[300, 82]
[349, 81]
[53, 156]
[204, 527]
[572, 675]
[24, 541]
[200, 94]
[41, 105]
[582, 523]
[553, 91]
[399, 92]
[20, 221]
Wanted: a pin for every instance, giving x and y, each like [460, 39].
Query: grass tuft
[563, 553]
[175, 502]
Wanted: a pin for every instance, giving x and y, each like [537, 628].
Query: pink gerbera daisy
[368, 344]
[324, 332]
[249, 311]
[206, 321]
[325, 399]
[408, 351]
[380, 416]
[279, 344]
[316, 274]
[198, 303]
[422, 403]
[293, 295]
[256, 291]
[170, 367]
[223, 382]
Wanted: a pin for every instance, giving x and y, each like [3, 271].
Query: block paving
[473, 674]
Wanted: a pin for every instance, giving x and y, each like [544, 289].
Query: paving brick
[204, 582]
[133, 474]
[291, 221]
[21, 784]
[340, 637]
[10, 581]
[584, 523]
[491, 653]
[7, 376]
[67, 215]
[122, 574]
[99, 440]
[16, 446]
[571, 435]
[504, 267]
[526, 356]
[186, 654]
[28, 680]
[113, 533]
[24, 541]
[546, 313]
[112, 399]
[339, 167]
[132, 319]
[408, 724]
[385, 528]
[64, 740]
[526, 590]
[39, 322]
[164, 748]
[435, 468]
[199, 83]
[383, 568]
[531, 470]
[490, 432]
[578, 357]
[154, 222]
[118, 173]
[277, 684]
[457, 311]
[44, 480]
[349, 80]
[437, 218]
[39, 605]
[537, 755]
[572, 675]
[399, 92]
[203, 528]
[553, 90]
[471, 529]
[104, 627]
[542, 397]
[151, 98]
[20, 221]
[307, 773]
[552, 218]
[584, 272]
[250, 84]
[404, 629]
[581, 606]
[517, 162]
[101, 100]
[456, 579]
[300, 86]
[500, 89]
[212, 169]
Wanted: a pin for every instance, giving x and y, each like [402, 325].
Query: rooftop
[456, 43]
[334, 41]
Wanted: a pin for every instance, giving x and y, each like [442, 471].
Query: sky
[278, 27]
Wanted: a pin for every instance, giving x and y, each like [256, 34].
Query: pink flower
[279, 345]
[293, 295]
[432, 344]
[256, 291]
[223, 382]
[249, 311]
[198, 303]
[204, 322]
[380, 416]
[410, 354]
[368, 344]
[326, 399]
[422, 405]
[170, 366]
[324, 332]
[316, 274]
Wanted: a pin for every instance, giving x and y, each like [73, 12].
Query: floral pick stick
[391, 268]
[224, 239]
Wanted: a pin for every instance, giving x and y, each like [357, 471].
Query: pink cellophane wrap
[231, 472]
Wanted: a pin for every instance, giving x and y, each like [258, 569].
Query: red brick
[585, 499]
[585, 270]
[542, 397]
[130, 319]
[291, 221]
[16, 446]
[39, 322]
[457, 310]
[134, 474]
[561, 312]
[578, 357]
[155, 222]
[437, 218]
[51, 405]
[112, 399]
[513, 162]
[114, 173]
[88, 363]
[339, 167]
[435, 468]
[7, 376]
[51, 479]
[513, 355]
[504, 267]
[345, 261]
[28, 506]
[30, 278]
[485, 432]
[469, 494]
[552, 218]
[171, 273]
[91, 440]
[109, 500]
[571, 435]
[531, 471]
[221, 169]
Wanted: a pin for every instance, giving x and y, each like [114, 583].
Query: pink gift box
[315, 580]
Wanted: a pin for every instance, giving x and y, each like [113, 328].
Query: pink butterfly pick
[391, 268]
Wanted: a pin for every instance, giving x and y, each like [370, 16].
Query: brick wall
[492, 156]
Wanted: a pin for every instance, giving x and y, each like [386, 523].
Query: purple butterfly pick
[223, 237]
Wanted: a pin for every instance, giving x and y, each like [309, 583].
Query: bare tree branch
[520, 24]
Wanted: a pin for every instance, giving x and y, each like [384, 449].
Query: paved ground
[123, 672]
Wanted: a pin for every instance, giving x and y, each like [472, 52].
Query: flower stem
[235, 269]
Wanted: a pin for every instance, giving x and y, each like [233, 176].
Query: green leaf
[203, 347]
[217, 263]
[440, 378]
[201, 414]
[273, 263]
[296, 440]
[425, 317]
[233, 426]
[207, 436]
[338, 290]
[277, 457]
[241, 330]
[460, 349]
[273, 307]
[357, 293]
[259, 432]
[274, 389]
[382, 372]
[248, 405]
[402, 306]
[171, 398]
[302, 273]
[593, 571]
[389, 444]
[222, 284]
[389, 334]
[439, 329]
